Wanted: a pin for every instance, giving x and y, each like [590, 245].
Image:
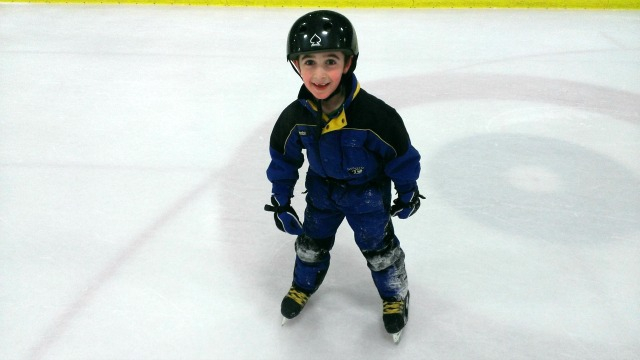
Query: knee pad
[390, 255]
[310, 251]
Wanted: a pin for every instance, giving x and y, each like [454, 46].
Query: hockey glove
[285, 217]
[406, 204]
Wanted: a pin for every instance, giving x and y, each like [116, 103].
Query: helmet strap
[295, 68]
[337, 91]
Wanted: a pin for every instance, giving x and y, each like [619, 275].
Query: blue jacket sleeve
[285, 149]
[404, 170]
[401, 159]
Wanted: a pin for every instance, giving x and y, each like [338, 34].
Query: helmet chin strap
[295, 68]
[320, 101]
[337, 91]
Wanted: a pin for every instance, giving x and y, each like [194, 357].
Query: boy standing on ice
[356, 146]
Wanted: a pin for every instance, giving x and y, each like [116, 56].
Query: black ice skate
[293, 303]
[395, 314]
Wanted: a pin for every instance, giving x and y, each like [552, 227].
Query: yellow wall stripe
[558, 4]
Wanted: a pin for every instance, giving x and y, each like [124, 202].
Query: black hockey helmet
[322, 30]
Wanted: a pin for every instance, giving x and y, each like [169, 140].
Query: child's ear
[347, 64]
[296, 63]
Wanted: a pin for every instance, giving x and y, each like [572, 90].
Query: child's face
[321, 72]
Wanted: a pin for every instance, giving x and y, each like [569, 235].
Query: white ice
[133, 149]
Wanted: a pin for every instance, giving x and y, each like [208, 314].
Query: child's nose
[319, 74]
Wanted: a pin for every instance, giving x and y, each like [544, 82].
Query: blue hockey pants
[366, 208]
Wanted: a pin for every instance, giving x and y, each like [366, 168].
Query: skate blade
[285, 320]
[396, 337]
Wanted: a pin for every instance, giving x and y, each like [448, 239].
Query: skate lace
[392, 307]
[298, 296]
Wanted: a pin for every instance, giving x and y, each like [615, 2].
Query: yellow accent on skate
[392, 307]
[298, 296]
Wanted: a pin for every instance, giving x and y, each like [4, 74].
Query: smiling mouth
[321, 86]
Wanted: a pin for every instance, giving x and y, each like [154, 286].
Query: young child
[356, 145]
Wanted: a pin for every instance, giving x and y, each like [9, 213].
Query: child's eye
[309, 62]
[331, 62]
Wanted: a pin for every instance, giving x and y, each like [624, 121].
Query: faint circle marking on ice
[565, 193]
[588, 198]
[533, 178]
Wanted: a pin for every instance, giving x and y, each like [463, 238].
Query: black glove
[285, 217]
[406, 204]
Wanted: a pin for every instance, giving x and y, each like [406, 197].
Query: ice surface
[133, 149]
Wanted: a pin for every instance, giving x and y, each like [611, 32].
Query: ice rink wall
[550, 4]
